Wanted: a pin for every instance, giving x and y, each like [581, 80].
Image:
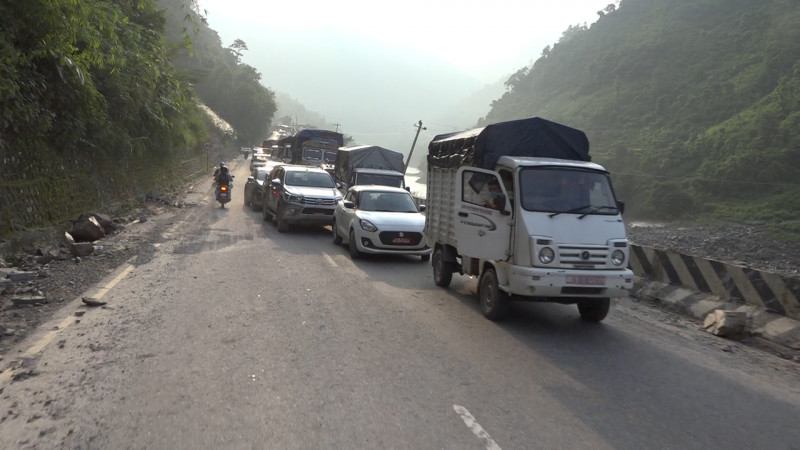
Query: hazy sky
[507, 34]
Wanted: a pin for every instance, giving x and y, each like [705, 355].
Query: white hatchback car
[381, 220]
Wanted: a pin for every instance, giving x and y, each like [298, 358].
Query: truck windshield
[567, 190]
[312, 154]
[330, 156]
[379, 179]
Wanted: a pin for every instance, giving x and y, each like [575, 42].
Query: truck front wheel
[594, 310]
[442, 272]
[494, 302]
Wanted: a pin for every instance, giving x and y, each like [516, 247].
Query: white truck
[551, 231]
[369, 164]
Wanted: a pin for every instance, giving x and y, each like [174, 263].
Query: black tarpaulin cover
[366, 156]
[482, 147]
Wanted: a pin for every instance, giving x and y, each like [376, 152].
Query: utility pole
[337, 126]
[419, 128]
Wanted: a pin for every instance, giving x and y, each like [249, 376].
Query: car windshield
[309, 179]
[567, 190]
[387, 202]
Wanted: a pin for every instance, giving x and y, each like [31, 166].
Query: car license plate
[401, 240]
[592, 280]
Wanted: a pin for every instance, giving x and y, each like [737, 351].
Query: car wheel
[265, 215]
[594, 310]
[354, 253]
[442, 271]
[336, 238]
[282, 225]
[494, 302]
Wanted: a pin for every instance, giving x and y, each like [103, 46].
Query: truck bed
[441, 203]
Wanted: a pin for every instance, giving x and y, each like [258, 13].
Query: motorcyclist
[222, 176]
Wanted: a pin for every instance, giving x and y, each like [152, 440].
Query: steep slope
[694, 105]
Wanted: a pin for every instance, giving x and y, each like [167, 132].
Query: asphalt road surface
[228, 334]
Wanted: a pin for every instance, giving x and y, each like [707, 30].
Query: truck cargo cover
[482, 147]
[366, 156]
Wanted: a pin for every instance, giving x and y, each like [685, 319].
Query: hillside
[694, 106]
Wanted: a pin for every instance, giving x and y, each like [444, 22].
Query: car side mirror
[621, 207]
[348, 204]
[422, 208]
[408, 189]
[276, 182]
[251, 179]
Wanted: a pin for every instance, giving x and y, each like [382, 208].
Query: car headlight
[618, 257]
[366, 225]
[546, 255]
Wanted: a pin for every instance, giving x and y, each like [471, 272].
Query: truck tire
[494, 302]
[354, 253]
[442, 271]
[594, 310]
[265, 215]
[336, 238]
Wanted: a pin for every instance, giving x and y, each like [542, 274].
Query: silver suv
[300, 194]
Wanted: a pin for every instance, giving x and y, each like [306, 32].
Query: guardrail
[775, 292]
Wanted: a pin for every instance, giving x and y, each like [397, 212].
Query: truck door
[483, 214]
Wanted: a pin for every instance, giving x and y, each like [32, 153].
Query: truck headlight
[294, 198]
[618, 257]
[366, 225]
[546, 255]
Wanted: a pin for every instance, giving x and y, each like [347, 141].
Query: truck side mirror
[621, 207]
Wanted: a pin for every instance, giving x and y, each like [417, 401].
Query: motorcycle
[223, 193]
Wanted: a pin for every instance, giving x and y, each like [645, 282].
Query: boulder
[87, 229]
[105, 221]
[726, 323]
[81, 249]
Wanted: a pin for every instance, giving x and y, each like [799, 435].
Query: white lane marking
[475, 427]
[69, 320]
[330, 260]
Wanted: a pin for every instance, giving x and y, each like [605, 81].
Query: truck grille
[583, 257]
[318, 201]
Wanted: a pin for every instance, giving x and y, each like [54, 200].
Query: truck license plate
[593, 280]
[401, 240]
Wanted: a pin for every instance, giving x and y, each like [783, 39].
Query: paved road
[228, 334]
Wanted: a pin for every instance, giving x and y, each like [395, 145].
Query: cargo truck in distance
[519, 205]
[369, 164]
[312, 147]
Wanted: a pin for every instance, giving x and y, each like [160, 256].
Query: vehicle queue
[368, 219]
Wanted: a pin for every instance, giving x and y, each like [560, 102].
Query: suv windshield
[567, 190]
[309, 179]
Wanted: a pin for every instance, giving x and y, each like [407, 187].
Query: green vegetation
[693, 106]
[99, 102]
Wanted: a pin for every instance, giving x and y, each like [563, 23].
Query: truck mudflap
[539, 282]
